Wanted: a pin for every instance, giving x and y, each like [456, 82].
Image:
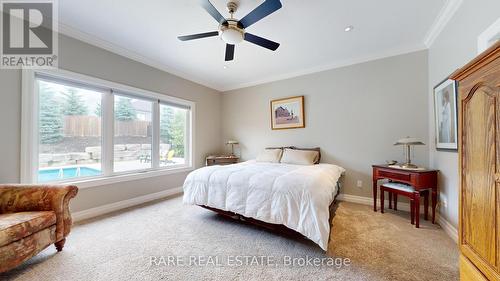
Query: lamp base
[408, 166]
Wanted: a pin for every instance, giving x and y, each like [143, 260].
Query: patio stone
[60, 157]
[93, 149]
[79, 156]
[133, 147]
[45, 158]
[120, 147]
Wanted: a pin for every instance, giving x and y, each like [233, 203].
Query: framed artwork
[287, 113]
[445, 111]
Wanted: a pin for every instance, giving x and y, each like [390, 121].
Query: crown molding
[124, 52]
[444, 16]
[330, 66]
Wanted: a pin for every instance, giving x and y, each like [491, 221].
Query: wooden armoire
[479, 161]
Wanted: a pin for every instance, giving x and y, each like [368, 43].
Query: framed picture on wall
[287, 113]
[445, 111]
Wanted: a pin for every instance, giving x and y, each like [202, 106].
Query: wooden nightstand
[222, 160]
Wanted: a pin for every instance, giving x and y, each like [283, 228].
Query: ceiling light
[348, 28]
[232, 36]
[226, 67]
[231, 33]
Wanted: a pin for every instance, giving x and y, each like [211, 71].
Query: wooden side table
[222, 160]
[419, 179]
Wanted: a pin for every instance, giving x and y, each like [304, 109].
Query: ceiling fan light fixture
[231, 33]
[231, 36]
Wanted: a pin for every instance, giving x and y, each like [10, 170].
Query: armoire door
[479, 171]
[479, 194]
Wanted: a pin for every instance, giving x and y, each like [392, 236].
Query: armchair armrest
[28, 198]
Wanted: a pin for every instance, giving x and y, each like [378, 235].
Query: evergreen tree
[98, 110]
[74, 105]
[50, 117]
[124, 111]
[178, 132]
[166, 118]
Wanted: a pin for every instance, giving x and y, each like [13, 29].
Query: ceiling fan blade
[262, 11]
[229, 52]
[212, 11]
[263, 42]
[198, 36]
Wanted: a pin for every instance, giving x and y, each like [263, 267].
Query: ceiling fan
[232, 31]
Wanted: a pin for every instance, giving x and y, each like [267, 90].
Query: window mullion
[155, 149]
[31, 175]
[187, 139]
[107, 133]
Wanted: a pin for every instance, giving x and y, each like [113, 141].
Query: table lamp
[232, 143]
[408, 143]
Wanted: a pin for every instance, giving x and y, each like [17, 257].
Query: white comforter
[293, 195]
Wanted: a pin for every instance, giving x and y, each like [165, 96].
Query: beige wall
[79, 57]
[353, 113]
[453, 48]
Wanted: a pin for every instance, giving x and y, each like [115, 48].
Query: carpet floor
[167, 240]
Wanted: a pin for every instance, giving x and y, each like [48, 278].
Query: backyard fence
[90, 126]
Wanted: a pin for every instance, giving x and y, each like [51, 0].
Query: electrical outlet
[444, 203]
[360, 183]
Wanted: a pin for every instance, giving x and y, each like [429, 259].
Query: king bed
[271, 191]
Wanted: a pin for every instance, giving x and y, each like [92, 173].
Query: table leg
[395, 201]
[417, 209]
[426, 206]
[434, 203]
[375, 195]
[390, 200]
[412, 211]
[382, 201]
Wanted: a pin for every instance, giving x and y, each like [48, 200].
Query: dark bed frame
[278, 228]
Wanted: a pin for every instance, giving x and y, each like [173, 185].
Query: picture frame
[446, 115]
[287, 113]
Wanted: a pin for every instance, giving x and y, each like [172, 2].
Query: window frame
[29, 128]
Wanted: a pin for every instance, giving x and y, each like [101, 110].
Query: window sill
[101, 181]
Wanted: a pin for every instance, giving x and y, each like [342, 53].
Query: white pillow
[270, 155]
[299, 157]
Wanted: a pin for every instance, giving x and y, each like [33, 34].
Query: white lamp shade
[409, 141]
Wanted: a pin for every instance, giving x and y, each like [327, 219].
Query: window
[172, 135]
[77, 127]
[69, 132]
[133, 134]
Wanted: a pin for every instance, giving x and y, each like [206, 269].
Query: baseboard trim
[448, 228]
[108, 208]
[369, 201]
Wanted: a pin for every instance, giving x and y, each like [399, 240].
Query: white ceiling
[311, 34]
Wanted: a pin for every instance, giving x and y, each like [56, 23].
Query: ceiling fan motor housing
[231, 32]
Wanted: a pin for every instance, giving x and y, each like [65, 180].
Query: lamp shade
[409, 141]
[232, 142]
